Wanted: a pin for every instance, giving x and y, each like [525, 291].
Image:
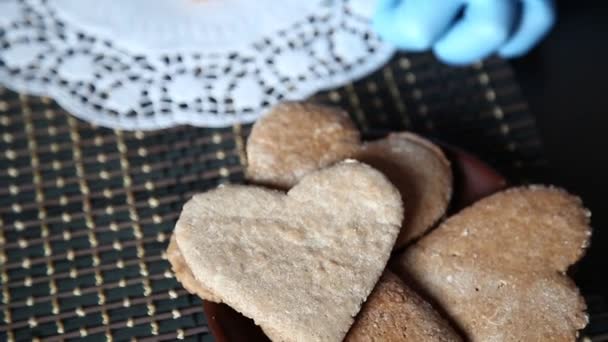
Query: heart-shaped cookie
[498, 267]
[294, 139]
[302, 263]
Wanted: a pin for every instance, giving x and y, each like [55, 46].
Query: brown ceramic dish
[473, 179]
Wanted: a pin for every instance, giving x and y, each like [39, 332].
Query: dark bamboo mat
[86, 212]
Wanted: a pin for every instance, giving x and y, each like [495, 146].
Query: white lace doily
[147, 64]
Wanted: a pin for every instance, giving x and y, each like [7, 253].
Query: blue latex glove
[509, 27]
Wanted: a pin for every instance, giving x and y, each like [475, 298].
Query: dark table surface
[563, 80]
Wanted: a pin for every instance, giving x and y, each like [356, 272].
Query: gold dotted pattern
[137, 231]
[37, 180]
[505, 127]
[89, 221]
[81, 215]
[393, 88]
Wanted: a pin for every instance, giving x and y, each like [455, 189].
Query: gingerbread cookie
[498, 267]
[302, 263]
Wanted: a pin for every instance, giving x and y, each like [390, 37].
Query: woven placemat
[86, 212]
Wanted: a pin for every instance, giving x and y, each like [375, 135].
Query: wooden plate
[473, 179]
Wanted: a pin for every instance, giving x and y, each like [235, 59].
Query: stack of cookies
[337, 239]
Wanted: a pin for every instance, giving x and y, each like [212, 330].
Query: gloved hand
[509, 27]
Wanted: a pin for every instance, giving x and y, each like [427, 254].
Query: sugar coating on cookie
[420, 171]
[299, 264]
[498, 267]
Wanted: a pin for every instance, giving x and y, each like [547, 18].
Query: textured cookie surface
[294, 139]
[393, 312]
[420, 171]
[498, 267]
[297, 138]
[183, 273]
[300, 264]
